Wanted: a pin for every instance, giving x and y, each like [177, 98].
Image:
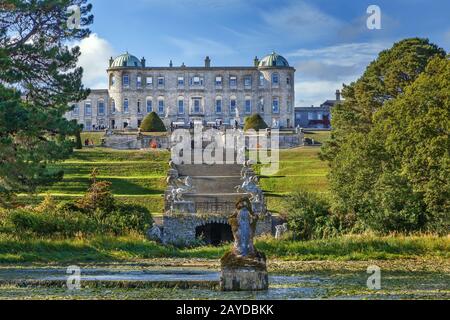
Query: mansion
[185, 95]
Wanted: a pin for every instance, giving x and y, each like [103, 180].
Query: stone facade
[183, 94]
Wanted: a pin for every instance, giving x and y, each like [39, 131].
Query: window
[310, 116]
[248, 81]
[160, 81]
[181, 81]
[139, 110]
[180, 106]
[288, 81]
[113, 106]
[88, 126]
[276, 105]
[219, 81]
[161, 106]
[233, 106]
[197, 81]
[319, 116]
[138, 81]
[126, 108]
[218, 105]
[233, 81]
[88, 109]
[149, 81]
[149, 105]
[126, 80]
[248, 106]
[275, 79]
[75, 110]
[261, 105]
[112, 80]
[261, 80]
[197, 105]
[101, 108]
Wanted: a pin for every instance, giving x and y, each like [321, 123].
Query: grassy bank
[135, 248]
[139, 176]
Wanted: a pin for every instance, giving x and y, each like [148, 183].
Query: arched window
[149, 104]
[180, 105]
[126, 106]
[101, 107]
[219, 105]
[112, 80]
[161, 105]
[248, 105]
[88, 108]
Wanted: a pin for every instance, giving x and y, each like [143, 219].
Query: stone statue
[243, 268]
[177, 191]
[280, 230]
[250, 185]
[243, 228]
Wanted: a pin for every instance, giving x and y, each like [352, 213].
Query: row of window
[197, 81]
[196, 106]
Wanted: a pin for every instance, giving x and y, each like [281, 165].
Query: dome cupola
[273, 60]
[126, 60]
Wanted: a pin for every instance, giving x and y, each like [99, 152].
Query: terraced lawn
[139, 176]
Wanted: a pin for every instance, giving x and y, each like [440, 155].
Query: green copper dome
[126, 60]
[273, 60]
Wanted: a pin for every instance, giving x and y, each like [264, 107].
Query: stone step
[209, 170]
[219, 184]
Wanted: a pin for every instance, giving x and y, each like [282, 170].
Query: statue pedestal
[243, 279]
[183, 207]
[244, 273]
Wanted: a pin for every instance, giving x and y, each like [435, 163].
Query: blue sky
[327, 41]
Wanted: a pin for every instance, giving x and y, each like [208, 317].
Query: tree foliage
[38, 80]
[153, 123]
[376, 133]
[255, 122]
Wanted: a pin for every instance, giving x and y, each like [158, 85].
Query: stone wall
[180, 229]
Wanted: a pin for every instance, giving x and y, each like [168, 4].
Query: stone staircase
[214, 186]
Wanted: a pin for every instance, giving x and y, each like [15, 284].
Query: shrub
[126, 218]
[309, 217]
[255, 122]
[24, 221]
[153, 123]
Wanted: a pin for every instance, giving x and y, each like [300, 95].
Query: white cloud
[301, 20]
[348, 54]
[321, 71]
[200, 47]
[95, 54]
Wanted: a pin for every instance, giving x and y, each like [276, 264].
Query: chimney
[207, 62]
[256, 61]
[111, 60]
[143, 62]
[338, 95]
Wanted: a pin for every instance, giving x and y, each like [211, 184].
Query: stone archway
[214, 233]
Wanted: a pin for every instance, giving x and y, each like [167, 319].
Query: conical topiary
[255, 122]
[153, 123]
